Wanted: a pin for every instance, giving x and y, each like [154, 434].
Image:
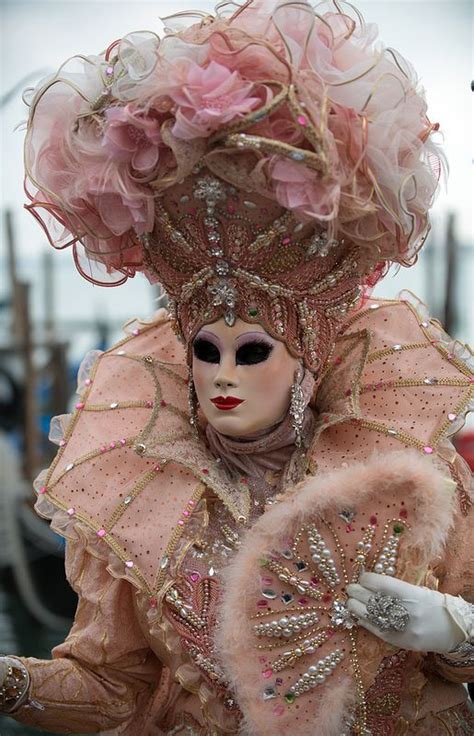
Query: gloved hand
[435, 624]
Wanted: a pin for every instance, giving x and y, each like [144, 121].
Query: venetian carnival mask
[242, 377]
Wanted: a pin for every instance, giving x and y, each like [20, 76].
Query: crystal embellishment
[341, 616]
[269, 693]
[210, 189]
[321, 245]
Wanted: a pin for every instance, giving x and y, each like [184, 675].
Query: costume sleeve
[456, 576]
[104, 675]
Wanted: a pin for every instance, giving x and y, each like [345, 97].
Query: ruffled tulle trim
[462, 356]
[77, 531]
[187, 674]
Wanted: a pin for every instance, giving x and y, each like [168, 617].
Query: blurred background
[50, 317]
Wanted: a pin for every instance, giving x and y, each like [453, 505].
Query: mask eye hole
[253, 352]
[205, 350]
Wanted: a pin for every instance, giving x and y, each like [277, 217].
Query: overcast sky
[436, 36]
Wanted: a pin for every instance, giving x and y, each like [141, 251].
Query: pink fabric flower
[207, 98]
[132, 137]
[300, 189]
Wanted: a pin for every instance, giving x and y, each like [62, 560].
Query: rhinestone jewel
[269, 593]
[210, 189]
[269, 693]
[347, 515]
[229, 319]
[287, 598]
[341, 616]
[320, 244]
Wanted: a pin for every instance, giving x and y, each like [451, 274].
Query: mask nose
[226, 375]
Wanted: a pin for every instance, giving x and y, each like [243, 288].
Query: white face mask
[242, 377]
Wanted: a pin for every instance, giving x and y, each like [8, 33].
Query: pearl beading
[184, 609]
[308, 646]
[315, 675]
[322, 556]
[295, 581]
[286, 626]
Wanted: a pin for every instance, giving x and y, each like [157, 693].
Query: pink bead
[451, 417]
[302, 120]
[71, 511]
[129, 563]
[191, 502]
[112, 445]
[149, 404]
[195, 577]
[163, 402]
[266, 580]
[136, 331]
[153, 602]
[42, 490]
[101, 533]
[123, 441]
[262, 604]
[302, 601]
[205, 471]
[373, 521]
[62, 443]
[428, 450]
[103, 448]
[186, 513]
[109, 71]
[80, 405]
[285, 241]
[181, 522]
[278, 710]
[157, 468]
[314, 581]
[267, 673]
[88, 381]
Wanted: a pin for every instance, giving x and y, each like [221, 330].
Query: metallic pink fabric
[134, 493]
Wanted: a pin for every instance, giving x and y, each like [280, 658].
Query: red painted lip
[226, 402]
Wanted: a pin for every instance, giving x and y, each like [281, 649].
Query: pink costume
[151, 524]
[269, 165]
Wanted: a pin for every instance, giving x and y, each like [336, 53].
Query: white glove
[435, 623]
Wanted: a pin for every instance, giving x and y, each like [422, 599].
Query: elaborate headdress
[267, 163]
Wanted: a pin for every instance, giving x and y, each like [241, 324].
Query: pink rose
[132, 137]
[207, 98]
[301, 189]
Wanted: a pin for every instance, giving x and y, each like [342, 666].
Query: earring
[192, 402]
[297, 407]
